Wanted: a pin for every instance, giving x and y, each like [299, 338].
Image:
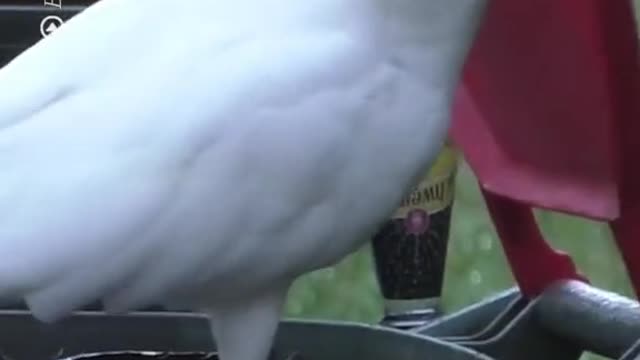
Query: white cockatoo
[206, 153]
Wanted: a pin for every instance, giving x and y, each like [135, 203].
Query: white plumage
[208, 152]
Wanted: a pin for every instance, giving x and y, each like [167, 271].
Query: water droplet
[486, 242]
[475, 277]
[330, 273]
[467, 246]
[295, 308]
[371, 281]
[310, 298]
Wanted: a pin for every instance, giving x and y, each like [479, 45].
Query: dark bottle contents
[410, 249]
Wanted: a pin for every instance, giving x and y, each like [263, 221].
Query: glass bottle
[410, 249]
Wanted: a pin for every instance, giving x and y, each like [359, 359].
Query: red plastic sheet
[548, 117]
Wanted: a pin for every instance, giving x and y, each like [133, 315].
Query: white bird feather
[209, 152]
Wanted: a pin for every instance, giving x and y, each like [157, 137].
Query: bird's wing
[84, 48]
[87, 175]
[57, 64]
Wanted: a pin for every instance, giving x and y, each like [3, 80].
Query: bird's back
[208, 160]
[148, 162]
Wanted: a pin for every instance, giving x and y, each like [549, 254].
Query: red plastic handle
[534, 263]
[624, 63]
[549, 117]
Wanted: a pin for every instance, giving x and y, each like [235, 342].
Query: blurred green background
[476, 266]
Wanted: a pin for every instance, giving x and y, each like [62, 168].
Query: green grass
[476, 266]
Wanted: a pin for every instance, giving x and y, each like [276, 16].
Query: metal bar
[24, 338]
[597, 320]
[472, 319]
[633, 353]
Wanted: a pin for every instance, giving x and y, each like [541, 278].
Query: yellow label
[435, 191]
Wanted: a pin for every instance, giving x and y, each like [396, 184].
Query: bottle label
[431, 196]
[410, 248]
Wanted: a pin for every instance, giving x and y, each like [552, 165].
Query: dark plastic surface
[503, 327]
[472, 319]
[23, 338]
[568, 318]
[594, 319]
[633, 353]
[20, 25]
[153, 355]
